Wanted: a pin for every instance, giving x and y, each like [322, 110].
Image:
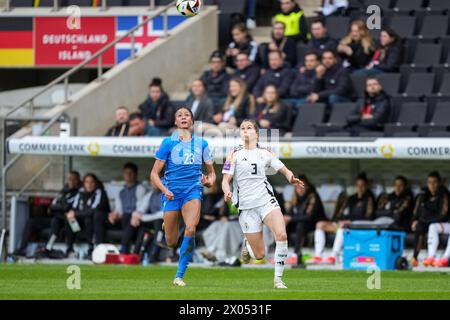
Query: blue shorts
[180, 199]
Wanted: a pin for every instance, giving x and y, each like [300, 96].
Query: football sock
[433, 240]
[186, 253]
[338, 241]
[319, 242]
[281, 251]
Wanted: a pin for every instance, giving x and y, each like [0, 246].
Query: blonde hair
[240, 97]
[366, 38]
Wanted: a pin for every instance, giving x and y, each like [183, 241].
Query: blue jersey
[183, 169]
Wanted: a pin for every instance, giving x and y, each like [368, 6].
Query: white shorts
[251, 220]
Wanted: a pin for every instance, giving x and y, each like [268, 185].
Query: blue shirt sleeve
[164, 150]
[207, 156]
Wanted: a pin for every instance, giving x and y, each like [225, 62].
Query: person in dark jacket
[120, 129]
[387, 57]
[279, 42]
[242, 42]
[247, 71]
[157, 110]
[138, 126]
[294, 19]
[89, 212]
[432, 206]
[320, 40]
[359, 206]
[278, 75]
[397, 205]
[216, 78]
[305, 79]
[306, 211]
[333, 83]
[374, 113]
[357, 47]
[200, 104]
[272, 113]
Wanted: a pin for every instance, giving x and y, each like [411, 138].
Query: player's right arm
[228, 172]
[161, 156]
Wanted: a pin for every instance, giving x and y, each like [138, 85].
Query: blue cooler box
[365, 248]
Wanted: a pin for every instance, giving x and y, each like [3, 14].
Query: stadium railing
[104, 5]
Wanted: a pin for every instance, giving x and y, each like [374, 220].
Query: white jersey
[248, 168]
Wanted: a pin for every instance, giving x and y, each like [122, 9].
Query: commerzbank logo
[286, 150]
[93, 148]
[387, 151]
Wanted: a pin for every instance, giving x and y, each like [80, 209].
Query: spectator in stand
[320, 39]
[242, 42]
[126, 203]
[89, 211]
[157, 111]
[357, 48]
[201, 105]
[398, 205]
[305, 79]
[294, 19]
[333, 7]
[306, 211]
[55, 219]
[360, 206]
[216, 79]
[272, 113]
[374, 113]
[278, 75]
[238, 106]
[120, 129]
[333, 83]
[387, 57]
[247, 70]
[280, 42]
[138, 126]
[432, 206]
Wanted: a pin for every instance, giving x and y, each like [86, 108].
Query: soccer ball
[189, 8]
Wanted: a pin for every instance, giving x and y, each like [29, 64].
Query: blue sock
[186, 253]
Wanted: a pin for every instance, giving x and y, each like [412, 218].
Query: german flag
[16, 42]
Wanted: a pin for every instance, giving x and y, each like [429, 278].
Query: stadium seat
[338, 119]
[231, 6]
[407, 5]
[405, 26]
[439, 134]
[307, 117]
[411, 115]
[371, 134]
[405, 134]
[80, 3]
[390, 82]
[439, 122]
[438, 6]
[433, 26]
[338, 26]
[383, 4]
[21, 3]
[137, 3]
[49, 3]
[359, 84]
[419, 85]
[114, 3]
[424, 57]
[338, 134]
[444, 87]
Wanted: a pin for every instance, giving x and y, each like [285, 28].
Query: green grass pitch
[37, 281]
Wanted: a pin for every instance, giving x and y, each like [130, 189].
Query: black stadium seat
[114, 3]
[390, 82]
[359, 84]
[411, 115]
[338, 118]
[407, 5]
[21, 3]
[49, 3]
[439, 122]
[434, 26]
[438, 5]
[80, 3]
[383, 4]
[307, 117]
[338, 26]
[419, 85]
[425, 56]
[405, 26]
[405, 134]
[444, 88]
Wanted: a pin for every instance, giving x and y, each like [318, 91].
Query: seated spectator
[294, 19]
[357, 48]
[306, 211]
[200, 104]
[242, 42]
[55, 219]
[333, 7]
[280, 42]
[398, 205]
[138, 126]
[278, 75]
[320, 39]
[247, 70]
[333, 83]
[126, 203]
[305, 79]
[360, 206]
[387, 57]
[238, 106]
[432, 206]
[374, 114]
[148, 218]
[272, 113]
[120, 129]
[89, 212]
[216, 79]
[157, 111]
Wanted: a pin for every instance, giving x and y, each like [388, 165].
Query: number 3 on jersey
[255, 168]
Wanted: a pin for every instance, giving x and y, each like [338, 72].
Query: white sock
[250, 251]
[433, 239]
[338, 241]
[447, 250]
[319, 242]
[281, 251]
[51, 242]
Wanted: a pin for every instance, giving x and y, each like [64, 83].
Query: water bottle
[74, 225]
[145, 260]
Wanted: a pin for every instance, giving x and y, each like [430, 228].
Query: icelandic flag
[144, 35]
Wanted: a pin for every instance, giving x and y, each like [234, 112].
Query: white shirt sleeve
[143, 204]
[273, 161]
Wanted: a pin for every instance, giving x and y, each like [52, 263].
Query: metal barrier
[103, 7]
